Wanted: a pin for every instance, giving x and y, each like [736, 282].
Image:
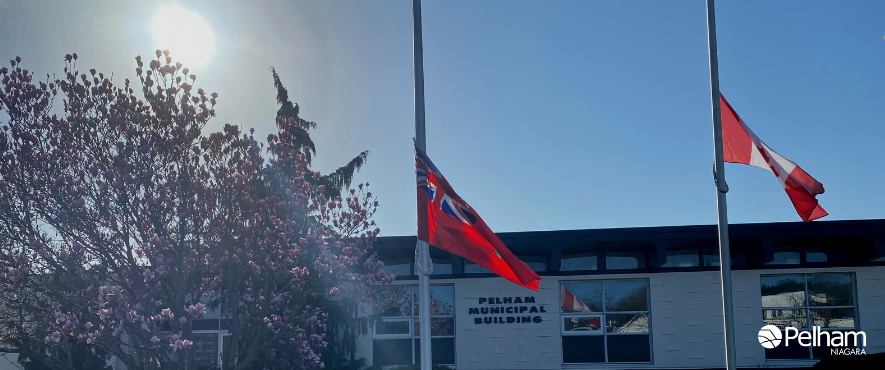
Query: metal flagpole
[721, 189]
[423, 264]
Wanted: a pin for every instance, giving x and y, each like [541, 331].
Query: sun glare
[185, 34]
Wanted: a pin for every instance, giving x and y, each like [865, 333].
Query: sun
[185, 34]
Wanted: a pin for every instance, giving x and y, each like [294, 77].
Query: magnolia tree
[121, 224]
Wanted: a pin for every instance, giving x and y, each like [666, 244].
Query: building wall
[686, 320]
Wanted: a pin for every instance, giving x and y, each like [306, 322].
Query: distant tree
[299, 128]
[120, 220]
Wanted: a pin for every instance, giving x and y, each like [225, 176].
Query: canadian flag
[570, 303]
[741, 145]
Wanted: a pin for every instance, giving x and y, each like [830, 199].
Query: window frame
[412, 319]
[603, 330]
[808, 308]
[220, 349]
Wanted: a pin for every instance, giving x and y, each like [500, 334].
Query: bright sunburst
[185, 34]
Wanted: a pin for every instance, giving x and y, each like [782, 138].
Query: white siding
[686, 321]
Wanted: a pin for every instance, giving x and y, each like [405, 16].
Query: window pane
[583, 349]
[442, 351]
[226, 343]
[784, 318]
[391, 327]
[578, 262]
[212, 324]
[824, 255]
[833, 317]
[586, 296]
[629, 348]
[442, 266]
[783, 291]
[206, 349]
[624, 261]
[392, 301]
[711, 257]
[442, 300]
[399, 266]
[582, 324]
[830, 290]
[626, 295]
[684, 257]
[783, 352]
[388, 352]
[439, 326]
[626, 323]
[785, 256]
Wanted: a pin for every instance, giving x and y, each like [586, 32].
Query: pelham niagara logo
[769, 336]
[839, 342]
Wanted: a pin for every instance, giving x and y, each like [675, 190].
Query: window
[711, 256]
[805, 301]
[682, 257]
[578, 262]
[786, 255]
[605, 321]
[813, 255]
[396, 333]
[624, 260]
[442, 266]
[398, 266]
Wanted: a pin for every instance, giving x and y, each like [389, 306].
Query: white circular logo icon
[769, 336]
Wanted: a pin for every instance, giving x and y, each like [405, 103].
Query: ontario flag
[449, 223]
[741, 145]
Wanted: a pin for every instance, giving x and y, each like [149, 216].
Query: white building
[639, 298]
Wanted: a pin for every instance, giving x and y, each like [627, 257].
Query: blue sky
[542, 115]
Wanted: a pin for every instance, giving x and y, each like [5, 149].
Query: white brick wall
[686, 321]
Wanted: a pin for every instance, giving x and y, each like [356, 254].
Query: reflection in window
[392, 301]
[626, 295]
[787, 255]
[682, 257]
[605, 320]
[578, 262]
[206, 349]
[830, 290]
[398, 266]
[711, 257]
[582, 296]
[783, 291]
[624, 261]
[442, 300]
[590, 323]
[813, 255]
[442, 266]
[396, 333]
[804, 301]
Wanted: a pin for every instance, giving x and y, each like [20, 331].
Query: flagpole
[721, 189]
[423, 264]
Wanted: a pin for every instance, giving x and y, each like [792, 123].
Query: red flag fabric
[449, 223]
[570, 303]
[741, 145]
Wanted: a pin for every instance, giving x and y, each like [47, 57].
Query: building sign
[507, 310]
